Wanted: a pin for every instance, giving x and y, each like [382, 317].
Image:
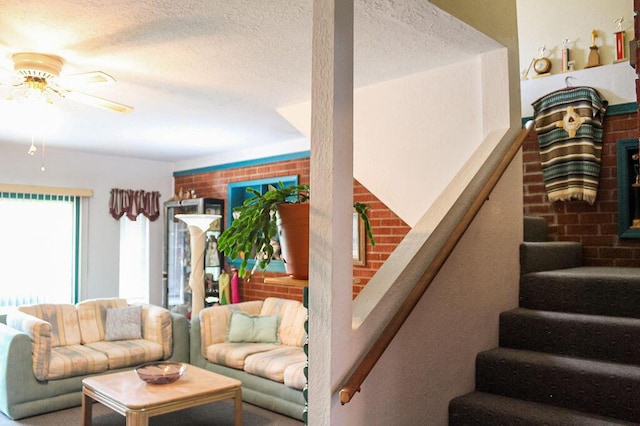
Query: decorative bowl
[161, 373]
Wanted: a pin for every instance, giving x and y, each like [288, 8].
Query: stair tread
[575, 316]
[564, 361]
[583, 335]
[591, 290]
[614, 272]
[480, 408]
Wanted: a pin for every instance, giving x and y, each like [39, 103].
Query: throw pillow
[245, 328]
[123, 323]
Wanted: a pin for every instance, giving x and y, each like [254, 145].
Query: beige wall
[549, 22]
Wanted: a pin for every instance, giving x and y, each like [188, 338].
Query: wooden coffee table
[127, 394]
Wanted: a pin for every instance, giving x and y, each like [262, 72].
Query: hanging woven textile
[570, 125]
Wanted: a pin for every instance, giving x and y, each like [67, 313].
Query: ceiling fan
[38, 75]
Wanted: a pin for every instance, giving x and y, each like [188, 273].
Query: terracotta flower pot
[293, 229]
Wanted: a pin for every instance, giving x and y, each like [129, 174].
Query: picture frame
[358, 251]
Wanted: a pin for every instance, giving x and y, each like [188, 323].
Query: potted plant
[259, 219]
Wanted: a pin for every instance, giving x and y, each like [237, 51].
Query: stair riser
[597, 296]
[609, 339]
[573, 384]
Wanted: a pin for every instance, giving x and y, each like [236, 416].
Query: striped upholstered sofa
[259, 343]
[47, 349]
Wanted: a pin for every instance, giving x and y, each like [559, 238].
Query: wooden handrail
[355, 380]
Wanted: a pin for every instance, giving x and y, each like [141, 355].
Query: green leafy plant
[254, 228]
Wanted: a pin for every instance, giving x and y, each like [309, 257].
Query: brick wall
[595, 226]
[388, 229]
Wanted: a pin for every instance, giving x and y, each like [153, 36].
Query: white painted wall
[549, 22]
[428, 123]
[432, 359]
[99, 274]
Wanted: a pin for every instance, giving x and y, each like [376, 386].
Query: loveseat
[259, 343]
[47, 349]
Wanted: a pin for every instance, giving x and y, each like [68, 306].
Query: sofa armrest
[181, 338]
[39, 332]
[156, 327]
[195, 353]
[16, 370]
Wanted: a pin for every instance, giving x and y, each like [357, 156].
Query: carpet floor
[215, 414]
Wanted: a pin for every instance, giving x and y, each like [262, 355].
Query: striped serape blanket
[569, 123]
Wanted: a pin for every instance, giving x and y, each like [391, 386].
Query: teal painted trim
[612, 110]
[76, 266]
[237, 191]
[622, 108]
[625, 149]
[256, 162]
[274, 265]
[259, 182]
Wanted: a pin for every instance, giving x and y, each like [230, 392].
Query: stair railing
[469, 205]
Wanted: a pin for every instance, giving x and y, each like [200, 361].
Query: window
[39, 250]
[134, 259]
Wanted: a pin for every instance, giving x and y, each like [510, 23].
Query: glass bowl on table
[160, 373]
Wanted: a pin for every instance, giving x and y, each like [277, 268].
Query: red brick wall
[595, 226]
[388, 229]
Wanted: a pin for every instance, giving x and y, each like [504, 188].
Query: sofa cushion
[65, 328]
[123, 323]
[233, 354]
[214, 321]
[92, 315]
[75, 360]
[245, 328]
[294, 375]
[272, 364]
[292, 317]
[125, 353]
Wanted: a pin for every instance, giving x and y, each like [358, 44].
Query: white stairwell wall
[418, 141]
[420, 130]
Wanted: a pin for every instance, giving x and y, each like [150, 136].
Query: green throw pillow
[123, 323]
[245, 328]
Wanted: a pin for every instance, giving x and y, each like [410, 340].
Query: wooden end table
[127, 394]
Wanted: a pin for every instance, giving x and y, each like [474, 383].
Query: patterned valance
[132, 203]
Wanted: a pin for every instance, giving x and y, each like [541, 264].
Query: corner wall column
[331, 179]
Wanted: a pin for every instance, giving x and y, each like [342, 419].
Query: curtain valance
[132, 203]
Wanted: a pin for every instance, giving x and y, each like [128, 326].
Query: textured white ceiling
[206, 76]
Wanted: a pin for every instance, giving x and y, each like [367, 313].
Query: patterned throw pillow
[245, 328]
[123, 323]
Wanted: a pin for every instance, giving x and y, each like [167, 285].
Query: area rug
[214, 414]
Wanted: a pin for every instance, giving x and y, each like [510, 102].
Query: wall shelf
[237, 194]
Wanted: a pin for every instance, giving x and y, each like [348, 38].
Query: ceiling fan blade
[87, 80]
[7, 77]
[95, 101]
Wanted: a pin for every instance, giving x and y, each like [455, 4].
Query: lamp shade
[202, 221]
[198, 225]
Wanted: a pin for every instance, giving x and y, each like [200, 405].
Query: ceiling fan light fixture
[40, 65]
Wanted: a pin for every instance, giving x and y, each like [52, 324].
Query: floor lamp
[198, 225]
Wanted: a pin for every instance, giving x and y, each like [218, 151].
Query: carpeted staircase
[570, 354]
